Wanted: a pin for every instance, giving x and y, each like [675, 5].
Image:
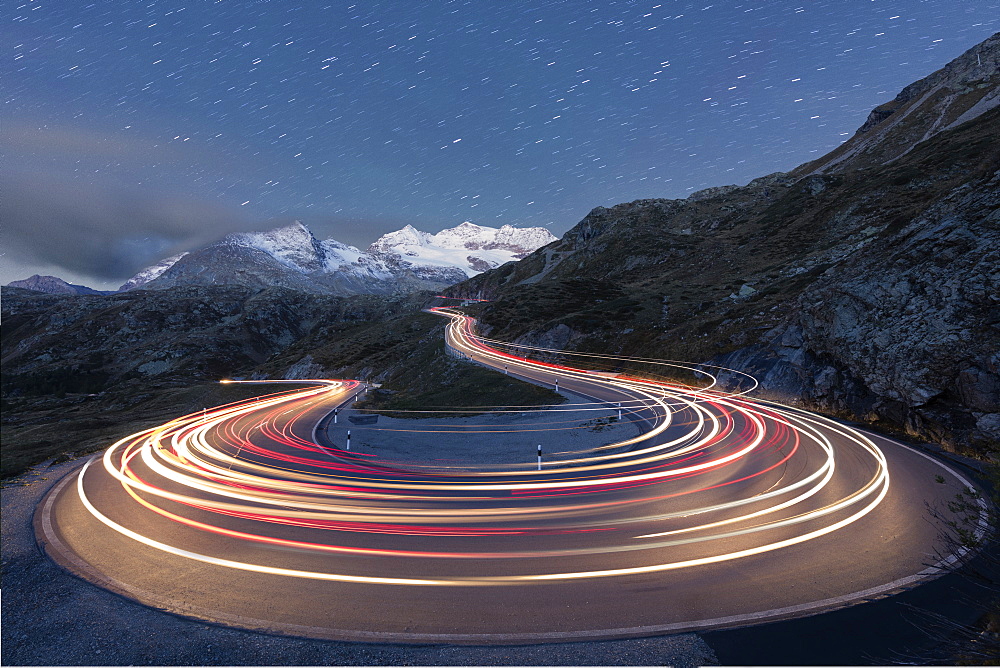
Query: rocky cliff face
[866, 283]
[905, 332]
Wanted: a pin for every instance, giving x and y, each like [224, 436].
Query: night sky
[131, 130]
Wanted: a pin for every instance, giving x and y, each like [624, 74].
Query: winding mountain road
[724, 511]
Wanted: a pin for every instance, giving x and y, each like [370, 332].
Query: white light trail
[707, 481]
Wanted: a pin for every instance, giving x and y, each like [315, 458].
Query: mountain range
[865, 284]
[292, 257]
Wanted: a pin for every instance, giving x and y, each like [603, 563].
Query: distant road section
[723, 511]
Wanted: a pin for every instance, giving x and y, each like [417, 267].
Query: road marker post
[539, 457]
[619, 410]
[348, 439]
[335, 411]
[557, 384]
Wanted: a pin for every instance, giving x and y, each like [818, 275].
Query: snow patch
[149, 273]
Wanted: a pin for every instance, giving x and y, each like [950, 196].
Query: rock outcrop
[904, 333]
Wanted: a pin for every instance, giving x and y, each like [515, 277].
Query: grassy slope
[37, 428]
[406, 355]
[436, 381]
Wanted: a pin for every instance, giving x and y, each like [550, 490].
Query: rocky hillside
[960, 91]
[80, 372]
[866, 283]
[55, 343]
[54, 286]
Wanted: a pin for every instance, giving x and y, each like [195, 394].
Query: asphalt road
[725, 512]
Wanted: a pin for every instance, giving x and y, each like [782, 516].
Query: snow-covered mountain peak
[293, 245]
[341, 257]
[467, 235]
[400, 239]
[290, 256]
[524, 238]
[468, 248]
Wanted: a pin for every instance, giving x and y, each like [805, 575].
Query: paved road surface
[724, 512]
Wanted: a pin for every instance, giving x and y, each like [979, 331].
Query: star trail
[161, 124]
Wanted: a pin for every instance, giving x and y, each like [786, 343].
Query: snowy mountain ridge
[291, 256]
[470, 248]
[151, 272]
[293, 245]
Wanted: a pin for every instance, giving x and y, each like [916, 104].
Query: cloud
[63, 142]
[104, 203]
[103, 230]
[100, 204]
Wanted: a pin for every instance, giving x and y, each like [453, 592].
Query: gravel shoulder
[51, 617]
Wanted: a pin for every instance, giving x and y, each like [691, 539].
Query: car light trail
[712, 477]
